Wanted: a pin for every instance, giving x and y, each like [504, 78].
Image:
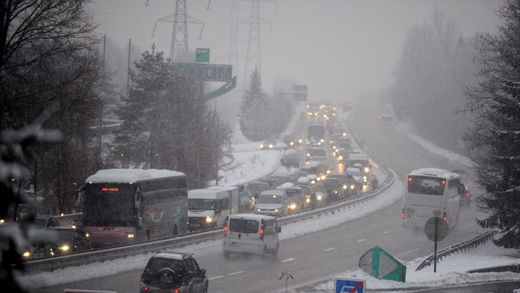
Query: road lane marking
[236, 273]
[216, 277]
[387, 231]
[329, 249]
[287, 260]
[361, 240]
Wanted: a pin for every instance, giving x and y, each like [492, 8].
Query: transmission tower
[253, 53]
[179, 48]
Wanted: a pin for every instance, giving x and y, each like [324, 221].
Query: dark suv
[176, 272]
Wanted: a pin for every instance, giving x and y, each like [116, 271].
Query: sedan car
[171, 271]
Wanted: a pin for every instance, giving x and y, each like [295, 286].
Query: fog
[341, 49]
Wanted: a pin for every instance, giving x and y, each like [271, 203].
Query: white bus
[209, 207]
[432, 193]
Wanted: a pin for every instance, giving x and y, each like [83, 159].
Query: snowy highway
[319, 256]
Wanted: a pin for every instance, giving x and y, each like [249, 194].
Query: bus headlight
[130, 235]
[64, 248]
[366, 169]
[352, 187]
[26, 254]
[209, 219]
[345, 186]
[292, 206]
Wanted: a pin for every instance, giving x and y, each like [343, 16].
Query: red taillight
[403, 214]
[146, 289]
[467, 193]
[261, 233]
[225, 229]
[176, 290]
[445, 217]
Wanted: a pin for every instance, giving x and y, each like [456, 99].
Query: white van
[210, 206]
[251, 233]
[272, 202]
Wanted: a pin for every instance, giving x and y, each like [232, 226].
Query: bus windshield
[109, 205]
[426, 185]
[201, 204]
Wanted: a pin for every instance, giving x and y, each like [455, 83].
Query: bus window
[426, 185]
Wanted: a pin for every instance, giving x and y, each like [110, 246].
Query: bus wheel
[175, 230]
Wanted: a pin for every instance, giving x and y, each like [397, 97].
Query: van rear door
[243, 232]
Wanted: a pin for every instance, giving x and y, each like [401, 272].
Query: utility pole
[128, 68]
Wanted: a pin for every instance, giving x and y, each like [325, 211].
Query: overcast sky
[339, 48]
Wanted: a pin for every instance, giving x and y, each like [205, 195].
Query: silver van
[272, 202]
[252, 234]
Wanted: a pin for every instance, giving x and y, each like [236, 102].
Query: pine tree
[495, 137]
[253, 121]
[139, 114]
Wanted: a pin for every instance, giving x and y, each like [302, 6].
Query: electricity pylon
[179, 48]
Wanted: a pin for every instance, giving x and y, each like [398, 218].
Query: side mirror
[462, 189]
[278, 229]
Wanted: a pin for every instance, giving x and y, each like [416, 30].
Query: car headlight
[340, 158]
[319, 197]
[366, 169]
[209, 219]
[292, 206]
[271, 146]
[291, 143]
[87, 235]
[365, 178]
[130, 235]
[26, 254]
[345, 186]
[308, 200]
[64, 247]
[258, 210]
[261, 146]
[276, 210]
[352, 187]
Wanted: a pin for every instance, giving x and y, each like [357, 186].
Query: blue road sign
[349, 286]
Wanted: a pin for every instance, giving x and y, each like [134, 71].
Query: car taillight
[261, 233]
[176, 290]
[403, 214]
[225, 229]
[445, 217]
[146, 289]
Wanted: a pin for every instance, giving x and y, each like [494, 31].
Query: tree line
[451, 88]
[49, 55]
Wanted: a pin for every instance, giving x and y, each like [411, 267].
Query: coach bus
[432, 193]
[128, 205]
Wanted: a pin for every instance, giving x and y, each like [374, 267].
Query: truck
[209, 207]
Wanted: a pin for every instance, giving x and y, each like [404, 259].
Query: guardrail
[59, 262]
[462, 246]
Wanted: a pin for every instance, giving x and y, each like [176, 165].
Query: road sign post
[436, 230]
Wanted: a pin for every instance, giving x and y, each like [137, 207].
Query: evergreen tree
[139, 114]
[495, 137]
[253, 120]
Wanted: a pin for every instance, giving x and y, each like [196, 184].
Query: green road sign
[380, 264]
[202, 55]
[222, 90]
